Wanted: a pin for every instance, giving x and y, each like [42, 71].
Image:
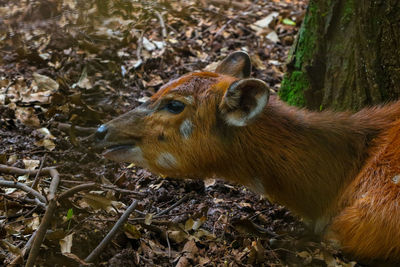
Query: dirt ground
[67, 67]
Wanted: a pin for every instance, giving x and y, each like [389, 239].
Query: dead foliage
[68, 66]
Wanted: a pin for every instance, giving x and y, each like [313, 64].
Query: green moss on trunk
[348, 12]
[292, 88]
[294, 83]
[346, 56]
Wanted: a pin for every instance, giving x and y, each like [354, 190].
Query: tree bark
[346, 56]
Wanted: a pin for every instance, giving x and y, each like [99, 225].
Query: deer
[338, 171]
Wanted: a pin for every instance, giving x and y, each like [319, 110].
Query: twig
[5, 206]
[173, 206]
[24, 251]
[40, 233]
[77, 189]
[162, 213]
[169, 245]
[65, 127]
[94, 254]
[48, 215]
[163, 29]
[54, 183]
[19, 171]
[236, 4]
[37, 179]
[23, 187]
[121, 190]
[139, 48]
[22, 219]
[16, 215]
[108, 187]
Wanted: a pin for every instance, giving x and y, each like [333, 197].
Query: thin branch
[37, 177]
[54, 183]
[48, 215]
[19, 171]
[76, 189]
[65, 127]
[169, 245]
[95, 253]
[236, 4]
[24, 251]
[109, 187]
[139, 48]
[40, 233]
[16, 215]
[121, 190]
[173, 206]
[23, 187]
[163, 29]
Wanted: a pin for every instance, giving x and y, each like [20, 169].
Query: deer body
[339, 171]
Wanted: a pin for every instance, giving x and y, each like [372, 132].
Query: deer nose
[101, 133]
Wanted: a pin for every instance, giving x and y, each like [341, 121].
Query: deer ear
[236, 64]
[244, 101]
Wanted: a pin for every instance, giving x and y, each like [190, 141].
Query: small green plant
[70, 214]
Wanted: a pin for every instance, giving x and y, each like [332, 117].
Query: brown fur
[333, 169]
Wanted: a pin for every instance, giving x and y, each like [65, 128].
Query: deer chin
[125, 153]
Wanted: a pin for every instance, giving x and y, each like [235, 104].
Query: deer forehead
[194, 86]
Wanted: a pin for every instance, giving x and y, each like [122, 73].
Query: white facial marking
[167, 160]
[396, 179]
[237, 120]
[186, 128]
[189, 99]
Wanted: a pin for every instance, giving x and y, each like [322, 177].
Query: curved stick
[25, 188]
[95, 253]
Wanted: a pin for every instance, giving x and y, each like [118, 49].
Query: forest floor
[67, 67]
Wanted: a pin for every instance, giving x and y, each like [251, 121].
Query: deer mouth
[114, 148]
[120, 153]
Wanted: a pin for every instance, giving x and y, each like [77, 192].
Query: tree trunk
[347, 55]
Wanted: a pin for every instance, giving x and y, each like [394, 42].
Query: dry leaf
[11, 248]
[257, 62]
[148, 218]
[45, 83]
[27, 116]
[191, 249]
[31, 164]
[131, 231]
[265, 22]
[66, 244]
[198, 223]
[46, 143]
[273, 37]
[156, 80]
[77, 259]
[183, 262]
[149, 46]
[189, 224]
[178, 236]
[100, 202]
[12, 159]
[209, 182]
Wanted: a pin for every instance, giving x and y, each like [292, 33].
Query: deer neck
[297, 158]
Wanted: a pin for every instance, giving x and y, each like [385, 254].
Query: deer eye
[175, 107]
